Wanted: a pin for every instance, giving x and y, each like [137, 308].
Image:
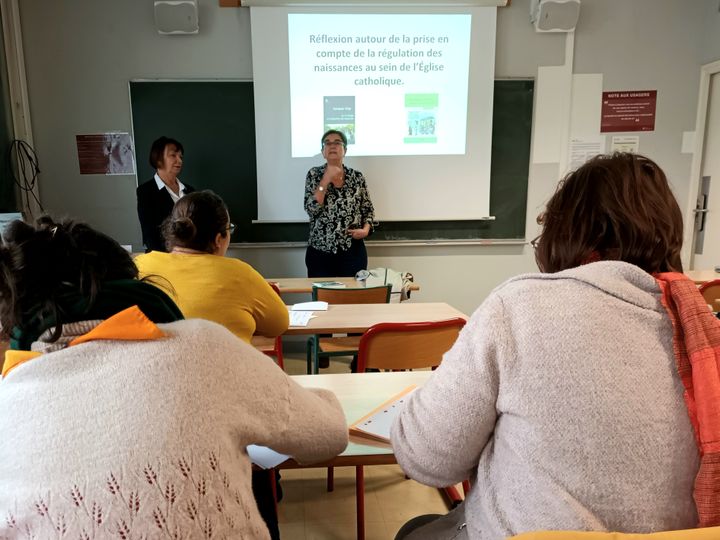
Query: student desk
[359, 393]
[305, 285]
[702, 276]
[357, 318]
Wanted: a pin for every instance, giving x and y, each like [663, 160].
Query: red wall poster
[632, 110]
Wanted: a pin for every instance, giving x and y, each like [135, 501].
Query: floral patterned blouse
[348, 207]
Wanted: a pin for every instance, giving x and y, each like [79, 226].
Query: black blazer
[153, 206]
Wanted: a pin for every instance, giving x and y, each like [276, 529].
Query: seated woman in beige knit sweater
[561, 400]
[120, 419]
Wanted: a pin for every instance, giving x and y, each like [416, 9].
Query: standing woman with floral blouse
[341, 213]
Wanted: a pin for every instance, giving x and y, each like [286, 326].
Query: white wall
[710, 48]
[80, 55]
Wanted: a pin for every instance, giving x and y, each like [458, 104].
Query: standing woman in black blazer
[157, 196]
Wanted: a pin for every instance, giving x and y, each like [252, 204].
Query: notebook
[376, 424]
[329, 284]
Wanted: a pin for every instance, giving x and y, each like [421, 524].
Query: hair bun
[18, 231]
[183, 228]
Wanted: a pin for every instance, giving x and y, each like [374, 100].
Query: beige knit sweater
[113, 439]
[561, 402]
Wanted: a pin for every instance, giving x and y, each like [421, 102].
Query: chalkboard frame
[215, 121]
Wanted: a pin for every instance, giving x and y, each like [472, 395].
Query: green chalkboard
[8, 200]
[215, 121]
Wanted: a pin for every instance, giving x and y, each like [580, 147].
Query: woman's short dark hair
[334, 132]
[195, 221]
[41, 264]
[157, 150]
[614, 207]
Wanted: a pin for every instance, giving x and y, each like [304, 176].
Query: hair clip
[53, 231]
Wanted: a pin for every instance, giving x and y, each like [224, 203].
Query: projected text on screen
[394, 84]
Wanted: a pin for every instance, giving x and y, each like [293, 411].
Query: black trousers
[262, 489]
[344, 263]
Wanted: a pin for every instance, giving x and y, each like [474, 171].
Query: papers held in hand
[376, 424]
[264, 457]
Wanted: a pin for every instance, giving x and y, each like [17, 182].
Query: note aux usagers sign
[628, 111]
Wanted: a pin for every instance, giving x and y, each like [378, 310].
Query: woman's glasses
[231, 228]
[333, 143]
[535, 242]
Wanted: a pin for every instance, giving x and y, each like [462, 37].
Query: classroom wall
[710, 49]
[79, 60]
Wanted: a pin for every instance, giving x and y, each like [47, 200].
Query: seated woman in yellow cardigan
[204, 283]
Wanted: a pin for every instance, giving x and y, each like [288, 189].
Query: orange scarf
[130, 324]
[696, 343]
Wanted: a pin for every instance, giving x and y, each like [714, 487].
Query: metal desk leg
[360, 501]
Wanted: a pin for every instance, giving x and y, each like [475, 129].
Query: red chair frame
[705, 289]
[364, 351]
[277, 350]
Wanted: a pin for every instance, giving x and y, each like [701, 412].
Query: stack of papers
[300, 318]
[310, 306]
[300, 314]
[376, 424]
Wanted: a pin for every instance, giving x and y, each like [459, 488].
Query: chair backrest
[707, 533]
[711, 293]
[275, 287]
[365, 295]
[407, 345]
[4, 346]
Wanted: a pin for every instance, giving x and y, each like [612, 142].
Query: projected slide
[394, 84]
[411, 88]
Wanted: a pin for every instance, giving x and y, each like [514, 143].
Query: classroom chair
[711, 293]
[270, 346]
[707, 533]
[319, 346]
[401, 346]
[4, 346]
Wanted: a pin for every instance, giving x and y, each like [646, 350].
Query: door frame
[706, 73]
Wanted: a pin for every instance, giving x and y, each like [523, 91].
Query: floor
[309, 512]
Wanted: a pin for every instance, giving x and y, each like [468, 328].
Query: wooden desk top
[304, 285]
[356, 318]
[702, 276]
[360, 393]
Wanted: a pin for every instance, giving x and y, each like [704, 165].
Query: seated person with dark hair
[562, 400]
[120, 418]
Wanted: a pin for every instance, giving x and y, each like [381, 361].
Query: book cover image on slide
[339, 112]
[421, 118]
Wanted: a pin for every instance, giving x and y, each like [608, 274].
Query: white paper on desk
[310, 306]
[265, 457]
[377, 424]
[300, 318]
